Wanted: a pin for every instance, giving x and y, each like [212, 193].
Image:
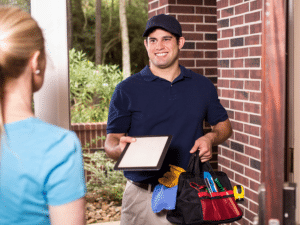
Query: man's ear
[146, 43]
[181, 42]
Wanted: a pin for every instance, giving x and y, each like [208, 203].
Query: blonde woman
[41, 169]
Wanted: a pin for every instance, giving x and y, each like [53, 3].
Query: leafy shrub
[91, 88]
[104, 178]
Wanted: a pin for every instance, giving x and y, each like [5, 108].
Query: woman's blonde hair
[20, 38]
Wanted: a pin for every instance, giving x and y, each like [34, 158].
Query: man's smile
[161, 54]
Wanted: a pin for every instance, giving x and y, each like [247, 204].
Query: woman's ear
[34, 61]
[37, 64]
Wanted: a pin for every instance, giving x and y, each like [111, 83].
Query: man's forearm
[220, 132]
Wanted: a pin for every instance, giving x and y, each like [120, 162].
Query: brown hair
[20, 38]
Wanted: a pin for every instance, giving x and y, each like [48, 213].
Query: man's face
[163, 48]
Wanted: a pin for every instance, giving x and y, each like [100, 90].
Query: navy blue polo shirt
[145, 104]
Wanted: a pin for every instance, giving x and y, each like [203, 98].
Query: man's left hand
[204, 145]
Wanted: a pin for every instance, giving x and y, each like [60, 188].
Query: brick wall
[198, 19]
[239, 87]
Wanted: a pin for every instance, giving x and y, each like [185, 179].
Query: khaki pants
[136, 208]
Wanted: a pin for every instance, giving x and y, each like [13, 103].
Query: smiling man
[164, 98]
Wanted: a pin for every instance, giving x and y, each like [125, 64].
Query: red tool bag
[196, 204]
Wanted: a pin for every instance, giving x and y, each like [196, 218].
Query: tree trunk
[98, 42]
[69, 24]
[125, 40]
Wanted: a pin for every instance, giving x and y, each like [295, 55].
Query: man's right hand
[115, 144]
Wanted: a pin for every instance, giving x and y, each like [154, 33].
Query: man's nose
[160, 45]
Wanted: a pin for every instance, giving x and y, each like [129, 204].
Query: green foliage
[91, 88]
[137, 16]
[105, 179]
[23, 4]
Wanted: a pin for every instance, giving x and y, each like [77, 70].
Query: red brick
[181, 9]
[241, 137]
[153, 5]
[242, 180]
[236, 105]
[227, 33]
[252, 40]
[218, 14]
[206, 63]
[252, 17]
[222, 4]
[199, 71]
[252, 62]
[191, 54]
[223, 161]
[254, 174]
[237, 84]
[252, 107]
[254, 186]
[223, 83]
[241, 52]
[211, 71]
[237, 126]
[211, 54]
[230, 113]
[242, 73]
[235, 63]
[161, 11]
[188, 27]
[249, 215]
[228, 153]
[254, 130]
[242, 95]
[190, 2]
[193, 36]
[252, 152]
[252, 85]
[255, 119]
[227, 53]
[242, 159]
[224, 103]
[219, 34]
[252, 206]
[256, 142]
[251, 195]
[240, 9]
[166, 2]
[255, 97]
[242, 30]
[256, 5]
[255, 28]
[210, 19]
[210, 2]
[207, 45]
[237, 167]
[190, 19]
[228, 73]
[228, 93]
[205, 10]
[151, 14]
[187, 63]
[207, 28]
[236, 21]
[243, 117]
[227, 12]
[223, 44]
[234, 2]
[255, 74]
[255, 51]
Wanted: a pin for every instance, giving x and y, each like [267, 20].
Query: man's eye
[152, 41]
[167, 39]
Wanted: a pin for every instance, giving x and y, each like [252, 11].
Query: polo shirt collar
[149, 76]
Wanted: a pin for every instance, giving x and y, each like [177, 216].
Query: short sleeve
[119, 117]
[65, 180]
[216, 112]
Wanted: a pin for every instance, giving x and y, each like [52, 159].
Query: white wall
[52, 101]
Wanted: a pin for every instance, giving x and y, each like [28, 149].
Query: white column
[52, 103]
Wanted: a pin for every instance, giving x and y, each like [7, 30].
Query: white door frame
[52, 102]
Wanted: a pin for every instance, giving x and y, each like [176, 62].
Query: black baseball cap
[166, 22]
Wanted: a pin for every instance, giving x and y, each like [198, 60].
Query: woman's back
[41, 164]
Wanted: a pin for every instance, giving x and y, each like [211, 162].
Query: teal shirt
[41, 165]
